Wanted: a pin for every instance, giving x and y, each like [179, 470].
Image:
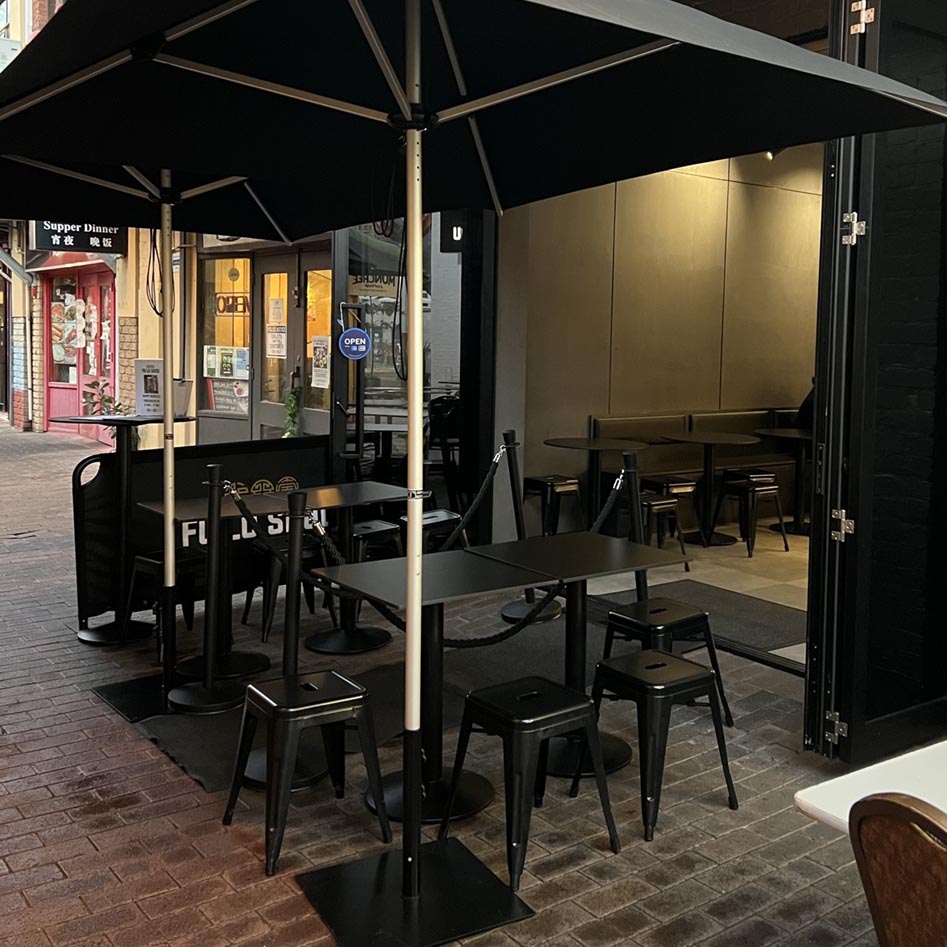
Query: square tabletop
[445, 576]
[573, 557]
[194, 509]
[359, 493]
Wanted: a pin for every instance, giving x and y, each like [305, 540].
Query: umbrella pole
[168, 608]
[411, 875]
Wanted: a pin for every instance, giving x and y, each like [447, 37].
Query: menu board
[62, 326]
[228, 396]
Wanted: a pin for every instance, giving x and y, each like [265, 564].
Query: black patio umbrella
[276, 118]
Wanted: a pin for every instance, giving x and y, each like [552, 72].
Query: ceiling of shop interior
[796, 19]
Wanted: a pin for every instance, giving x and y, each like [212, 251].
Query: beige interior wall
[691, 290]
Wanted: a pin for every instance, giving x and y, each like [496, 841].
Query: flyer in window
[241, 363]
[321, 349]
[148, 378]
[275, 341]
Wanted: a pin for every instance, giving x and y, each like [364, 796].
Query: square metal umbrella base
[361, 901]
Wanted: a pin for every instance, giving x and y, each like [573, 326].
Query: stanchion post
[636, 529]
[516, 492]
[297, 516]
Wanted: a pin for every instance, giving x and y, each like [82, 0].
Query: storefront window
[276, 308]
[225, 351]
[62, 330]
[318, 338]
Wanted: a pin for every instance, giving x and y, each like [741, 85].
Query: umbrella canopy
[638, 86]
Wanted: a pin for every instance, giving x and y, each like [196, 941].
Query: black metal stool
[438, 524]
[672, 485]
[749, 487]
[526, 713]
[375, 532]
[655, 681]
[288, 706]
[657, 512]
[550, 488]
[657, 623]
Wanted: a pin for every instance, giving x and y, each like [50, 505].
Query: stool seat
[558, 482]
[749, 486]
[550, 488]
[752, 474]
[658, 503]
[431, 519]
[303, 693]
[529, 702]
[668, 484]
[657, 671]
[375, 529]
[657, 615]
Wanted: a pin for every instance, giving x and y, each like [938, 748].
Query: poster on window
[276, 313]
[275, 341]
[321, 349]
[226, 361]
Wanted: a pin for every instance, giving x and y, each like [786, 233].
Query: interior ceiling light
[771, 155]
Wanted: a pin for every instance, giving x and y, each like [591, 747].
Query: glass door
[95, 335]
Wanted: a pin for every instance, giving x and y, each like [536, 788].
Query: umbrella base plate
[195, 698]
[230, 666]
[474, 793]
[111, 634]
[357, 640]
[513, 612]
[362, 904]
[716, 539]
[564, 755]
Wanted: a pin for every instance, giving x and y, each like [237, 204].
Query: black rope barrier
[477, 500]
[609, 504]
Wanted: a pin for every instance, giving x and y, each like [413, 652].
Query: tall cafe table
[710, 440]
[119, 630]
[595, 447]
[447, 577]
[800, 438]
[350, 637]
[574, 558]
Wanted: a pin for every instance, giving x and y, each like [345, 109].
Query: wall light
[771, 155]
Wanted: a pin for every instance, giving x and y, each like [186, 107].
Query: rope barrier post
[514, 612]
[297, 517]
[636, 529]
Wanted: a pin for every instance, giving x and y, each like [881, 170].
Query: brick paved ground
[104, 842]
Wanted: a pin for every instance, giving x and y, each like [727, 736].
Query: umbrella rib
[267, 214]
[78, 176]
[449, 46]
[374, 42]
[143, 180]
[485, 164]
[300, 95]
[547, 82]
[212, 186]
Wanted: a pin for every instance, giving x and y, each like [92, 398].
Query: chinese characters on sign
[88, 238]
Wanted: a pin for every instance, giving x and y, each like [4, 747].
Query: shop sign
[232, 304]
[88, 238]
[374, 283]
[355, 344]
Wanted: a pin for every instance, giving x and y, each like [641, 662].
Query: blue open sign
[355, 344]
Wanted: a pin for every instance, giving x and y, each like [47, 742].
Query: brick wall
[39, 360]
[127, 353]
[18, 380]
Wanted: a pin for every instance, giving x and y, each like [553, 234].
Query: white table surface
[920, 773]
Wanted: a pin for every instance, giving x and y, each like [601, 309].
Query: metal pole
[411, 875]
[168, 611]
[636, 531]
[215, 484]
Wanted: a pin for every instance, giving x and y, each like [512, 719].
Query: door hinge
[852, 228]
[846, 527]
[862, 16]
[838, 727]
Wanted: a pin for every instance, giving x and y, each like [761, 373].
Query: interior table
[230, 663]
[447, 577]
[710, 440]
[350, 637]
[574, 558]
[800, 438]
[919, 773]
[595, 447]
[117, 631]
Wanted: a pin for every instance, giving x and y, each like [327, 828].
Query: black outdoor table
[230, 663]
[119, 630]
[710, 440]
[595, 447]
[800, 438]
[574, 558]
[350, 637]
[447, 577]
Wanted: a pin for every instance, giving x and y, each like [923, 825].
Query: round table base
[474, 793]
[235, 664]
[793, 529]
[254, 776]
[341, 641]
[518, 610]
[194, 698]
[564, 755]
[716, 539]
[111, 634]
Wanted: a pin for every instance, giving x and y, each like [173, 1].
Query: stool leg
[782, 524]
[462, 740]
[309, 594]
[753, 508]
[712, 653]
[333, 739]
[646, 525]
[128, 606]
[654, 718]
[595, 749]
[520, 760]
[399, 545]
[555, 505]
[539, 790]
[244, 745]
[713, 523]
[366, 736]
[662, 528]
[722, 747]
[247, 603]
[187, 601]
[282, 744]
[597, 691]
[464, 540]
[270, 592]
[544, 509]
[680, 539]
[609, 642]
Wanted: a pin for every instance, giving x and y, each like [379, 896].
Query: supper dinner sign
[88, 238]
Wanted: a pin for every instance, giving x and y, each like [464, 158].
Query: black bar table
[447, 577]
[121, 629]
[230, 663]
[350, 637]
[574, 558]
[710, 440]
[595, 447]
[800, 438]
